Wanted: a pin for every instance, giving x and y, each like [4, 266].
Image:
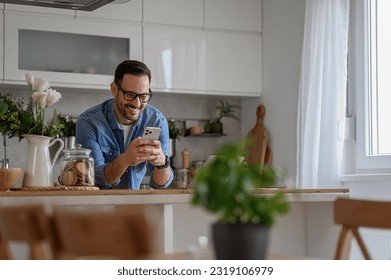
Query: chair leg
[5, 252]
[361, 244]
[37, 251]
[344, 244]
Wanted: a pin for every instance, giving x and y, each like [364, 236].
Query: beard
[128, 112]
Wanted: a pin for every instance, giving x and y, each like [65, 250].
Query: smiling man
[112, 131]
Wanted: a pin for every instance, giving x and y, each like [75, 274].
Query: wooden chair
[353, 214]
[25, 223]
[88, 235]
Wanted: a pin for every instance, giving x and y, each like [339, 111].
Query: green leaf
[3, 107]
[26, 119]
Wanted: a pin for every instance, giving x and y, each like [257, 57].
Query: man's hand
[145, 150]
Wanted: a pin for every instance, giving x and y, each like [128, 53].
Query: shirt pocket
[109, 153]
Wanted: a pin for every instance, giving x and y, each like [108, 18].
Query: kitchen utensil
[181, 178]
[258, 138]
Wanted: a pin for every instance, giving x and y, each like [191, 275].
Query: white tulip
[52, 97]
[30, 79]
[40, 85]
[39, 99]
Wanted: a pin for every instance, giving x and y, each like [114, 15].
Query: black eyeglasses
[130, 95]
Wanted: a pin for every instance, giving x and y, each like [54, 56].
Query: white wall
[283, 28]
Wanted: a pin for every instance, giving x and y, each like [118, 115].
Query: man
[112, 131]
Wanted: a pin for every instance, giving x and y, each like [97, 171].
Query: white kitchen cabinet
[204, 62]
[129, 11]
[58, 62]
[174, 12]
[243, 15]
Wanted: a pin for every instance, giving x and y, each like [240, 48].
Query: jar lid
[77, 150]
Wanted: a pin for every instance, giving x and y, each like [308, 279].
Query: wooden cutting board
[257, 149]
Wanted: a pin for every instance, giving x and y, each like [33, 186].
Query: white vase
[39, 167]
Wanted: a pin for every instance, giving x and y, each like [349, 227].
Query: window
[370, 82]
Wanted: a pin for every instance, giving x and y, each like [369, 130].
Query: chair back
[102, 235]
[28, 224]
[353, 214]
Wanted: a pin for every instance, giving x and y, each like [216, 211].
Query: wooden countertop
[169, 191]
[150, 196]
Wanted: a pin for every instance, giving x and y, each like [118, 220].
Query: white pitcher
[39, 168]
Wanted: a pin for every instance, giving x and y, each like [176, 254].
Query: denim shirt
[97, 129]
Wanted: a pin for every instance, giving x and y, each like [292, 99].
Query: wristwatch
[165, 165]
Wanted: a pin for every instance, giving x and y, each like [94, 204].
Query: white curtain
[322, 94]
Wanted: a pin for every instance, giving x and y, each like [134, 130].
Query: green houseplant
[224, 110]
[69, 125]
[229, 189]
[20, 116]
[175, 133]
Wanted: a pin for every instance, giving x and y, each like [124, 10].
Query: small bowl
[195, 130]
[9, 177]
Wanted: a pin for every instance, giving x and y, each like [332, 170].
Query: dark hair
[133, 67]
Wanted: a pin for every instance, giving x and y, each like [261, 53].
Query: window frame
[359, 87]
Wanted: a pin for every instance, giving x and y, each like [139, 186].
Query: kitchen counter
[150, 196]
[307, 230]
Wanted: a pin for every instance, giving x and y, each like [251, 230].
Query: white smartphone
[151, 133]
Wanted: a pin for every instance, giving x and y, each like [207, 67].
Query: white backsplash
[175, 106]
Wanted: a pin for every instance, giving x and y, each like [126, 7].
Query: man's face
[128, 112]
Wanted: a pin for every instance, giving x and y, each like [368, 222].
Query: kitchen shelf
[185, 124]
[205, 135]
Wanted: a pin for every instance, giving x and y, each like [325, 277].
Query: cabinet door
[129, 11]
[195, 61]
[68, 63]
[174, 12]
[243, 15]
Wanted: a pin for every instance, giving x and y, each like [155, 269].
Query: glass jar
[77, 167]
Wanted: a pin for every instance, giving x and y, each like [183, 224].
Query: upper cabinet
[204, 51]
[174, 12]
[243, 15]
[67, 51]
[210, 47]
[203, 62]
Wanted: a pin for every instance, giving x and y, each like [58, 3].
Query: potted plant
[26, 119]
[68, 131]
[229, 189]
[224, 110]
[175, 133]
